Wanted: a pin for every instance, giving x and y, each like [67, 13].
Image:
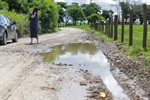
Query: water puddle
[86, 56]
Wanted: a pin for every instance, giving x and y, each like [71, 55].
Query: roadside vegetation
[136, 51]
[19, 10]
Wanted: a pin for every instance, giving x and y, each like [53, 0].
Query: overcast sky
[105, 1]
[105, 4]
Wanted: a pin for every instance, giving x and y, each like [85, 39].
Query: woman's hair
[35, 10]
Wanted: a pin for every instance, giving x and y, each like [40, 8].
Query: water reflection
[86, 56]
[73, 49]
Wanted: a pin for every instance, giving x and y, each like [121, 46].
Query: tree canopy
[91, 8]
[62, 13]
[4, 5]
[136, 6]
[107, 13]
[75, 13]
[95, 18]
[49, 15]
[20, 6]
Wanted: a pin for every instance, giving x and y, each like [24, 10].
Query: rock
[83, 83]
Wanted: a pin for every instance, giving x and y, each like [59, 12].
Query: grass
[96, 33]
[136, 51]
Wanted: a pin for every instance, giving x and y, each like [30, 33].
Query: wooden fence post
[111, 27]
[90, 24]
[122, 35]
[145, 25]
[96, 26]
[102, 26]
[131, 28]
[116, 28]
[106, 27]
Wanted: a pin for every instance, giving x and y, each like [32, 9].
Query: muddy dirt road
[25, 76]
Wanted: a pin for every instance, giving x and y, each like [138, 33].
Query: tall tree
[132, 2]
[34, 3]
[138, 9]
[125, 7]
[63, 7]
[148, 7]
[4, 5]
[49, 15]
[20, 6]
[138, 12]
[91, 8]
[107, 13]
[75, 13]
[94, 18]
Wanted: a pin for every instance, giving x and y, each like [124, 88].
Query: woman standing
[34, 25]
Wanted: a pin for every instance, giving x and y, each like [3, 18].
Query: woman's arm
[32, 16]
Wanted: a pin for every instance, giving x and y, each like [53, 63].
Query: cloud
[104, 4]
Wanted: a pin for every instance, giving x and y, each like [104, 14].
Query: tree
[148, 17]
[125, 7]
[62, 14]
[95, 18]
[132, 2]
[34, 3]
[75, 13]
[138, 12]
[3, 5]
[20, 6]
[49, 15]
[138, 9]
[91, 8]
[136, 5]
[107, 13]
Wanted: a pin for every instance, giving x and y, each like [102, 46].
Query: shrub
[3, 5]
[49, 15]
[21, 20]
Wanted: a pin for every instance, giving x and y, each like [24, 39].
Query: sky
[104, 1]
[104, 4]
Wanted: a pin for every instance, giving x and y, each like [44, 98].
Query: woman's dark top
[33, 26]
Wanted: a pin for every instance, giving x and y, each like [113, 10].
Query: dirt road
[25, 76]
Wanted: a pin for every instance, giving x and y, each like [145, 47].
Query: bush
[3, 5]
[21, 20]
[49, 15]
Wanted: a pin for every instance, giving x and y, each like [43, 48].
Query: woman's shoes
[38, 42]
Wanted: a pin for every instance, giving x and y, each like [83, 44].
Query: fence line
[111, 27]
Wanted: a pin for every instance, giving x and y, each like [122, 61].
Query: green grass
[96, 33]
[136, 51]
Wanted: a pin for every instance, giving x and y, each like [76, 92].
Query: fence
[110, 28]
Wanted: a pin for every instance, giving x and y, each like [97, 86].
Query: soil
[25, 76]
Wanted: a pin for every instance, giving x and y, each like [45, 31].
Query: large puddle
[86, 56]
